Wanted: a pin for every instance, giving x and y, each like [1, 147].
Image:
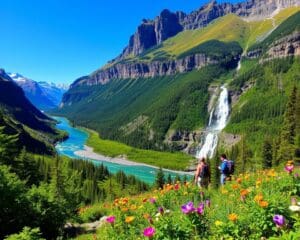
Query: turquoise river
[76, 141]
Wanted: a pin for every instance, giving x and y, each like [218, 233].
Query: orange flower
[129, 219]
[244, 192]
[263, 204]
[146, 216]
[233, 217]
[235, 186]
[238, 180]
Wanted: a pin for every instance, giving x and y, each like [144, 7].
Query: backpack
[230, 167]
[205, 173]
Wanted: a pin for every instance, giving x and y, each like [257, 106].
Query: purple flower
[161, 210]
[149, 232]
[279, 220]
[296, 175]
[188, 208]
[200, 209]
[152, 200]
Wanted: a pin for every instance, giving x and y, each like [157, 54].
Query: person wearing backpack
[224, 168]
[202, 175]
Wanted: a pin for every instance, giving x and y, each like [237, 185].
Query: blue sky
[61, 40]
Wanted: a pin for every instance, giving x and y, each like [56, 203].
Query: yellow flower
[133, 207]
[218, 223]
[129, 219]
[258, 198]
[224, 191]
[233, 217]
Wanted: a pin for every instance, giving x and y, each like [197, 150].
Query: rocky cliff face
[151, 69]
[284, 47]
[152, 32]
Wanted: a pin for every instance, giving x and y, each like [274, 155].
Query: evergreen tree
[8, 150]
[267, 154]
[288, 131]
[160, 178]
[214, 169]
[169, 179]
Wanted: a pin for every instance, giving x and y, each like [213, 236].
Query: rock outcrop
[151, 69]
[285, 47]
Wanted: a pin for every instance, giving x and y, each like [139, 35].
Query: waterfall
[217, 122]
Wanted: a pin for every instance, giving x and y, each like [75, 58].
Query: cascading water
[217, 122]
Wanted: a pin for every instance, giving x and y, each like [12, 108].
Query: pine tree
[160, 178]
[288, 131]
[169, 179]
[214, 169]
[267, 154]
[8, 150]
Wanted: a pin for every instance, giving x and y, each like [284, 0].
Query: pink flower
[149, 232]
[152, 200]
[111, 219]
[289, 168]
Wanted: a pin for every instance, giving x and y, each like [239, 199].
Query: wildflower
[149, 232]
[176, 187]
[279, 220]
[146, 216]
[244, 192]
[111, 219]
[200, 209]
[289, 168]
[233, 217]
[218, 223]
[207, 203]
[296, 175]
[152, 200]
[239, 180]
[188, 208]
[235, 186]
[295, 208]
[161, 210]
[258, 198]
[129, 219]
[263, 204]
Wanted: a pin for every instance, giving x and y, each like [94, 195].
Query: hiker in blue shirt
[224, 169]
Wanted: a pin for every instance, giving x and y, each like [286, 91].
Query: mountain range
[43, 95]
[35, 130]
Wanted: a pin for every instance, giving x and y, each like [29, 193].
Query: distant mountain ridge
[43, 95]
[20, 117]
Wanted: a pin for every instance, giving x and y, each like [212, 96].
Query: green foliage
[215, 49]
[260, 110]
[26, 234]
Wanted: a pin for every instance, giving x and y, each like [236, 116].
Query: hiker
[226, 168]
[202, 175]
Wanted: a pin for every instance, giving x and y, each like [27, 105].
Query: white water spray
[217, 122]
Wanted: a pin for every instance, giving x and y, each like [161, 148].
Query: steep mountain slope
[153, 32]
[161, 97]
[34, 129]
[43, 95]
